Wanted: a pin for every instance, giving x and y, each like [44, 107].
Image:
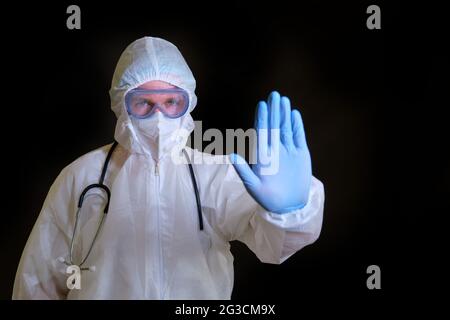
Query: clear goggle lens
[173, 103]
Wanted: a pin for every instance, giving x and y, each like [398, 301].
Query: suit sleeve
[40, 274]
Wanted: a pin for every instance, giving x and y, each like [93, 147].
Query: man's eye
[172, 102]
[142, 103]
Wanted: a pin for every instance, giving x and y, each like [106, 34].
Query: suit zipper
[161, 264]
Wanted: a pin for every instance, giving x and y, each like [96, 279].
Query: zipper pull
[157, 168]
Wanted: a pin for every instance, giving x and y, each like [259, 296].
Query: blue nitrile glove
[281, 178]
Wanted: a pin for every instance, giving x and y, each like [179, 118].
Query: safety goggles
[141, 104]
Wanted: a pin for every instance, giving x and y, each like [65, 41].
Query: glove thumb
[248, 177]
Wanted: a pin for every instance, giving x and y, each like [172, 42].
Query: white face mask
[158, 134]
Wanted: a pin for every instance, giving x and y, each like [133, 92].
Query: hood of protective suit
[144, 60]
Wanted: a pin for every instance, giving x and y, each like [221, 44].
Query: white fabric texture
[158, 134]
[150, 246]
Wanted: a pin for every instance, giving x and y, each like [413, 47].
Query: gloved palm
[280, 179]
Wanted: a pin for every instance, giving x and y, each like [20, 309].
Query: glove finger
[261, 125]
[286, 125]
[274, 118]
[298, 130]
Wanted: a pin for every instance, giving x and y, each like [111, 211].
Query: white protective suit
[150, 246]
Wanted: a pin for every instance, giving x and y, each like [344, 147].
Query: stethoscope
[101, 185]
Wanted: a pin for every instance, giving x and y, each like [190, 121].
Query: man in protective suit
[150, 245]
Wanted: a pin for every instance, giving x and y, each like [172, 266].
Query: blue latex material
[281, 177]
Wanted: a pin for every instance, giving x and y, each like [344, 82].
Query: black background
[373, 104]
